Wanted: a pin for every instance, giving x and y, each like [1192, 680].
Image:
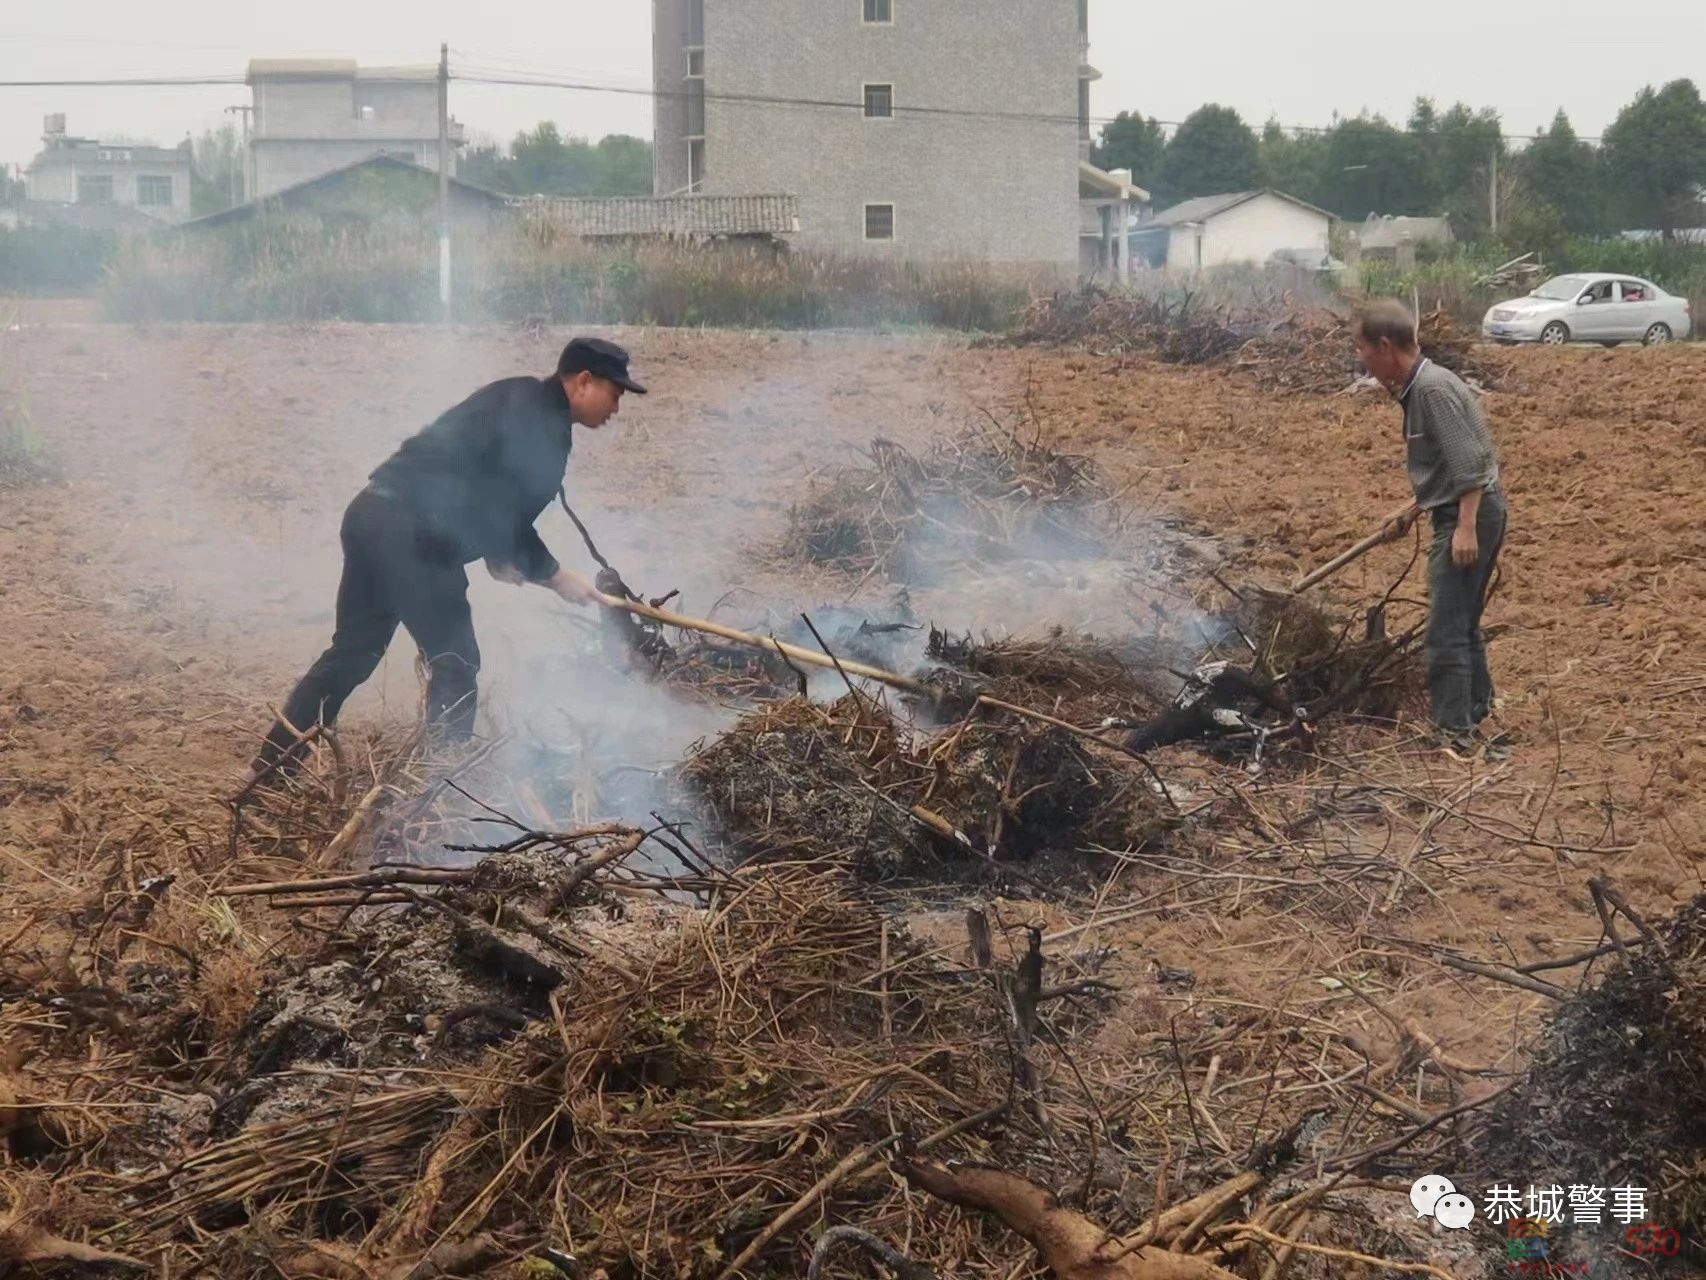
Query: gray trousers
[1460, 687]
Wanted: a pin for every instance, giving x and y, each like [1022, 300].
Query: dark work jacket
[479, 476]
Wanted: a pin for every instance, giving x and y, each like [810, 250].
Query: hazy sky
[1298, 61]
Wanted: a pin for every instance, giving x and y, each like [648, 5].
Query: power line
[138, 82]
[762, 100]
[477, 75]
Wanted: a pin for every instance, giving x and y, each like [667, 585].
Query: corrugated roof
[89, 217]
[670, 216]
[287, 195]
[1204, 207]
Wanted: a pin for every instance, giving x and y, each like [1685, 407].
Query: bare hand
[573, 588]
[1465, 548]
[1398, 523]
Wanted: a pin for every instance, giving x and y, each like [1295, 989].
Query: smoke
[212, 465]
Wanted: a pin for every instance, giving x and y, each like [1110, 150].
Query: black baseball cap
[596, 356]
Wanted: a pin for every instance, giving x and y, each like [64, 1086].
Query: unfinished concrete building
[907, 128]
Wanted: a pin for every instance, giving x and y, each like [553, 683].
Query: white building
[1244, 226]
[312, 116]
[153, 181]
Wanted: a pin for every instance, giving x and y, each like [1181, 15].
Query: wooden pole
[811, 657]
[1341, 560]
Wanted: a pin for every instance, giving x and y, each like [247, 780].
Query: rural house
[385, 187]
[376, 187]
[912, 129]
[1243, 226]
[312, 116]
[81, 176]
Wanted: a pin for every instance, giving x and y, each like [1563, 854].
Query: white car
[1598, 307]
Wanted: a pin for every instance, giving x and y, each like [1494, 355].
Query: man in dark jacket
[468, 487]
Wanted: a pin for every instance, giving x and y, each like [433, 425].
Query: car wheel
[1555, 334]
[1658, 335]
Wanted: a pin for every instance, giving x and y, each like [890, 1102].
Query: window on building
[153, 191]
[695, 22]
[1084, 110]
[879, 101]
[695, 62]
[696, 166]
[879, 10]
[94, 188]
[1083, 17]
[879, 222]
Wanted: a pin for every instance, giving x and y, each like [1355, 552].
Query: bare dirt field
[165, 588]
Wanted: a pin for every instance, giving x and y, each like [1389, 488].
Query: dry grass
[384, 269]
[986, 495]
[1286, 345]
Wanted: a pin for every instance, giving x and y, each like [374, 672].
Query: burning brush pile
[1045, 750]
[1286, 345]
[852, 784]
[1613, 1096]
[984, 496]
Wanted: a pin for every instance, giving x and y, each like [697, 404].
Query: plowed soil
[156, 600]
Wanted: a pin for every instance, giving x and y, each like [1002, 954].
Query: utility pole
[1493, 192]
[444, 181]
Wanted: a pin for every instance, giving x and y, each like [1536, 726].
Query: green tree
[541, 161]
[1213, 152]
[216, 175]
[484, 165]
[1129, 141]
[1560, 173]
[1294, 163]
[627, 165]
[1372, 167]
[1461, 150]
[1655, 157]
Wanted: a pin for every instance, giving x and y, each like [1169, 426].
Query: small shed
[1241, 226]
[1395, 239]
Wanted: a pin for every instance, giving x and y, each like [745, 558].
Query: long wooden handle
[1341, 560]
[809, 656]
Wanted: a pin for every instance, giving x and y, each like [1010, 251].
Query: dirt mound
[1612, 1097]
[1284, 344]
[983, 496]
